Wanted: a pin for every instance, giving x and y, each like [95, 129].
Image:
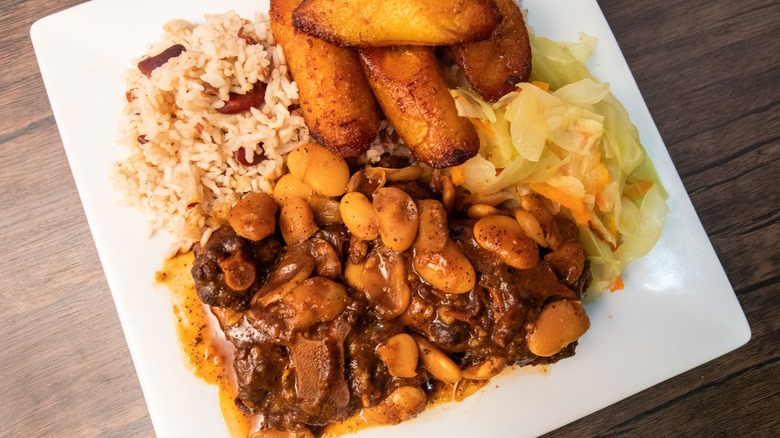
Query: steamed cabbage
[566, 137]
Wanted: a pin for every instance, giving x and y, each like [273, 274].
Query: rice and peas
[189, 163]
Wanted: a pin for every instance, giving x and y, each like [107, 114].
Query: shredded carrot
[575, 205]
[616, 284]
[597, 179]
[604, 178]
[637, 190]
[543, 85]
[481, 125]
[582, 217]
[457, 175]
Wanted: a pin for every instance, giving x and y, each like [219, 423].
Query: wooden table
[710, 73]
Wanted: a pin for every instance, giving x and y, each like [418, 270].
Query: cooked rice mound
[182, 169]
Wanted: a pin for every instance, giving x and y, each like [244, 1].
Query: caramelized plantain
[410, 88]
[371, 23]
[494, 66]
[335, 97]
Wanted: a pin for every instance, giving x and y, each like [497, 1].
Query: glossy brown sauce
[206, 355]
[438, 393]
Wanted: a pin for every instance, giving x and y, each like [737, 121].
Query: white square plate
[676, 312]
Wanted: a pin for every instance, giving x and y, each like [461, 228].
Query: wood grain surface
[709, 71]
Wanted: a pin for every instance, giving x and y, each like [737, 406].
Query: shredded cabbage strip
[566, 137]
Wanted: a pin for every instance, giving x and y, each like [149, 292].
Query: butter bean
[254, 216]
[559, 324]
[400, 355]
[397, 217]
[382, 280]
[408, 173]
[531, 226]
[436, 362]
[447, 270]
[353, 275]
[321, 169]
[296, 221]
[433, 233]
[478, 211]
[289, 186]
[359, 216]
[402, 404]
[315, 300]
[535, 205]
[400, 294]
[447, 192]
[505, 237]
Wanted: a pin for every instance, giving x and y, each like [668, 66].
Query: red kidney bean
[238, 103]
[148, 65]
[240, 156]
[142, 139]
[209, 90]
[249, 40]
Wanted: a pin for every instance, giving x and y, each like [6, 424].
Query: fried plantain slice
[372, 23]
[494, 66]
[410, 88]
[338, 105]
